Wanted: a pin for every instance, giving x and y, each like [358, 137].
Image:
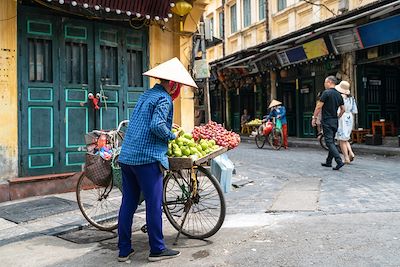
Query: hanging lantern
[181, 8]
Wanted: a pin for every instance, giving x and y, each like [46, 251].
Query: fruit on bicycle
[186, 146]
[254, 122]
[217, 133]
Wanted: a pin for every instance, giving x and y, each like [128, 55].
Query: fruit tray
[187, 163]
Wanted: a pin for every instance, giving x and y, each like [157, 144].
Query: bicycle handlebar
[120, 125]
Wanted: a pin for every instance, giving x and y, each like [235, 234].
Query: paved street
[288, 211]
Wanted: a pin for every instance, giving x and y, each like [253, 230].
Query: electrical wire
[323, 5]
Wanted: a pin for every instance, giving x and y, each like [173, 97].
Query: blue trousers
[147, 178]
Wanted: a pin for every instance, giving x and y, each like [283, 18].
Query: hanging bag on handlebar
[278, 124]
[98, 170]
[268, 128]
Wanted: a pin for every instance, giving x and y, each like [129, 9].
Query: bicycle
[193, 201]
[274, 137]
[321, 139]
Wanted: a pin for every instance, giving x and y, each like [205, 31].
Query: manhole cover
[87, 236]
[40, 208]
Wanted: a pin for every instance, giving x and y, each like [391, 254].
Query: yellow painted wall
[299, 14]
[165, 45]
[8, 90]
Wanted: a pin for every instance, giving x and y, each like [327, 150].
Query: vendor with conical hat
[279, 112]
[143, 152]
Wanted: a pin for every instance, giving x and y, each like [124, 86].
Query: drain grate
[40, 208]
[87, 236]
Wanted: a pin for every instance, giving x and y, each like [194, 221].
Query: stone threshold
[23, 187]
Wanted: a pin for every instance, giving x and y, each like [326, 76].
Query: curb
[59, 230]
[361, 149]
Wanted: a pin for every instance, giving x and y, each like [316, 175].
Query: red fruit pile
[214, 131]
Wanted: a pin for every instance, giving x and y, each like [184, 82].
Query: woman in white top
[346, 122]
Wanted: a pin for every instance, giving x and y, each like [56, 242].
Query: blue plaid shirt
[149, 129]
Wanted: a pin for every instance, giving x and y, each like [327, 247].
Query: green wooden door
[287, 94]
[122, 57]
[38, 78]
[307, 100]
[61, 61]
[77, 80]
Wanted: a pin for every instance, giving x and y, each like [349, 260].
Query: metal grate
[135, 68]
[76, 32]
[40, 60]
[76, 63]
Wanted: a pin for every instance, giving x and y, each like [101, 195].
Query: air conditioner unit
[343, 6]
[345, 41]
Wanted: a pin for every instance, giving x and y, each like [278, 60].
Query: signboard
[201, 69]
[307, 51]
[316, 48]
[305, 90]
[380, 32]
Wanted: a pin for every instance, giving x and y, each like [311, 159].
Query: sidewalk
[50, 215]
[390, 146]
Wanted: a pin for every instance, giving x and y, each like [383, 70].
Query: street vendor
[143, 157]
[279, 111]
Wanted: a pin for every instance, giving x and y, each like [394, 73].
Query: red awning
[150, 9]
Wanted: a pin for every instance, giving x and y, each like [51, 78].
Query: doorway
[61, 61]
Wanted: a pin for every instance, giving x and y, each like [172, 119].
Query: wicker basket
[98, 170]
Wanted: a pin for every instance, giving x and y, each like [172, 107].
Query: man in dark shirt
[330, 101]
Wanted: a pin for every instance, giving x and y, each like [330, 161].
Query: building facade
[307, 41]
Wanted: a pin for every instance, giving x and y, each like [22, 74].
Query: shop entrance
[62, 61]
[287, 95]
[379, 93]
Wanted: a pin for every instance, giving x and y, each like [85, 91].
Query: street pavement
[285, 209]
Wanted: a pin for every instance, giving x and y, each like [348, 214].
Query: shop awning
[148, 9]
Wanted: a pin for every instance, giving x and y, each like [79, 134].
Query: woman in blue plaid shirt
[143, 154]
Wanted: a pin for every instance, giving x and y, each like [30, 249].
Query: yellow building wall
[8, 90]
[164, 45]
[299, 14]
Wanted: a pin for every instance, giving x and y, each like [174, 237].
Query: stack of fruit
[254, 122]
[221, 136]
[186, 146]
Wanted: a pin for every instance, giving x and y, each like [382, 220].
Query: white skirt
[345, 126]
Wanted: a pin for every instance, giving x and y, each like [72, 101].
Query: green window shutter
[281, 4]
[221, 24]
[246, 13]
[261, 9]
[212, 27]
[233, 19]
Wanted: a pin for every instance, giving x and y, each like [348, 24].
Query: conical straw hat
[172, 70]
[274, 103]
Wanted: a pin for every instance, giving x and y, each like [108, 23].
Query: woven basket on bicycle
[97, 169]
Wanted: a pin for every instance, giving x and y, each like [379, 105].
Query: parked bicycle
[269, 132]
[321, 140]
[193, 201]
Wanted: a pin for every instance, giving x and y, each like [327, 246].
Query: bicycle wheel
[260, 139]
[275, 139]
[99, 205]
[322, 141]
[205, 210]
